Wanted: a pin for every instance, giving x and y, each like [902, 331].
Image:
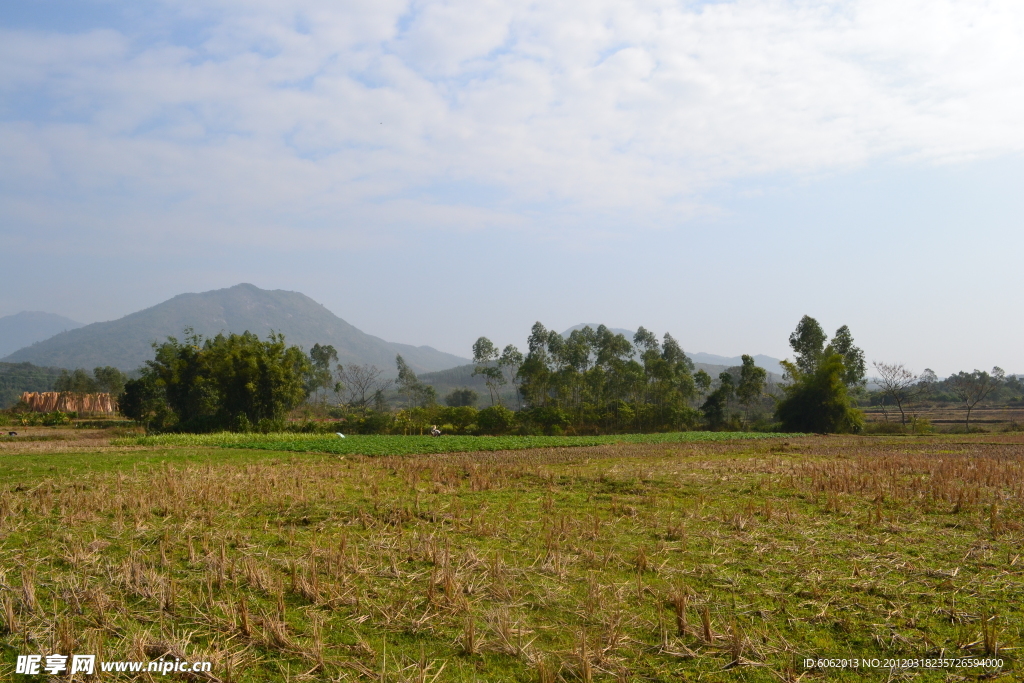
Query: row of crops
[404, 445]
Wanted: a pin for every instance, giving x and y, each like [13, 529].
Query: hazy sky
[437, 171]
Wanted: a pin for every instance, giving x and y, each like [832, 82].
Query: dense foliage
[817, 397]
[106, 379]
[228, 382]
[817, 400]
[17, 378]
[598, 380]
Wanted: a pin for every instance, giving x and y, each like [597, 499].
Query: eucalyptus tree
[598, 377]
[752, 383]
[320, 377]
[485, 355]
[509, 363]
[416, 392]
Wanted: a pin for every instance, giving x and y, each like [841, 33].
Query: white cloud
[570, 114]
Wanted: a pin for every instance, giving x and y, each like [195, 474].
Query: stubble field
[710, 560]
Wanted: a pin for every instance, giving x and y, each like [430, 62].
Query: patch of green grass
[382, 445]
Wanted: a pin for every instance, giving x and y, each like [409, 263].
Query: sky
[437, 171]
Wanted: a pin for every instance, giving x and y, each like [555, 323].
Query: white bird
[340, 434]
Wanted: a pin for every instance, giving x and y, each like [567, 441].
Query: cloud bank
[352, 123]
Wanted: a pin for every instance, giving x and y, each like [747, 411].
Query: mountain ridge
[28, 327]
[126, 343]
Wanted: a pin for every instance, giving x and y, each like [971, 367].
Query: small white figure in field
[340, 434]
[434, 431]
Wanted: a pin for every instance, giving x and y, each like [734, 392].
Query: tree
[461, 397]
[808, 343]
[818, 401]
[716, 407]
[898, 383]
[109, 380]
[144, 401]
[485, 355]
[496, 420]
[752, 383]
[972, 388]
[854, 370]
[702, 381]
[510, 362]
[417, 392]
[321, 358]
[229, 382]
[77, 382]
[359, 385]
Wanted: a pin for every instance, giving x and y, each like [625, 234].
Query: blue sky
[437, 171]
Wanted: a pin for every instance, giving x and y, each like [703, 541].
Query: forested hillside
[16, 378]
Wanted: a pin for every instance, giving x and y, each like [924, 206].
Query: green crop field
[404, 445]
[661, 558]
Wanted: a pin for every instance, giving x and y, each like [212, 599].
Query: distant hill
[16, 378]
[127, 343]
[29, 327]
[708, 362]
[461, 377]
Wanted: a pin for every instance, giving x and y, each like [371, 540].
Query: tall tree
[752, 383]
[321, 358]
[509, 363]
[854, 370]
[808, 343]
[409, 385]
[716, 407]
[702, 381]
[485, 355]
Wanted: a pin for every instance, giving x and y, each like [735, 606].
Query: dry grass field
[712, 561]
[951, 418]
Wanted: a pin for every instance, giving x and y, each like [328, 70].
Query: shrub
[55, 419]
[817, 400]
[496, 420]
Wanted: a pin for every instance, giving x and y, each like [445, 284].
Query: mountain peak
[126, 343]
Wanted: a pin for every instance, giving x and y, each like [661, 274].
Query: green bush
[496, 420]
[55, 418]
[817, 400]
[29, 419]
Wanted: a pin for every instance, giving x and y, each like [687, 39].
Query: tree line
[590, 381]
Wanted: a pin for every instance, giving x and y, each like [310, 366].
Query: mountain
[29, 327]
[709, 362]
[127, 343]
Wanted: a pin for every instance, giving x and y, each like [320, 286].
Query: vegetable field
[375, 445]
